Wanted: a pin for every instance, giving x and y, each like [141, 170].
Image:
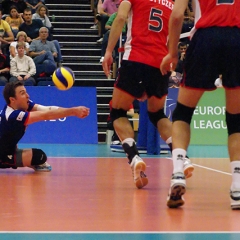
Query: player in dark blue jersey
[19, 112]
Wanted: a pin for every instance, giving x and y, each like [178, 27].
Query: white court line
[210, 169]
[200, 166]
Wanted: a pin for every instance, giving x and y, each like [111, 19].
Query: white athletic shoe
[188, 168]
[45, 167]
[235, 199]
[177, 189]
[138, 167]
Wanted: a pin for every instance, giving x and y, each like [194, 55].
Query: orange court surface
[90, 190]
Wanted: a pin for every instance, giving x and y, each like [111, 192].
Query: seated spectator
[32, 26]
[22, 67]
[42, 13]
[33, 4]
[4, 68]
[174, 80]
[95, 25]
[106, 10]
[6, 34]
[21, 37]
[14, 20]
[182, 48]
[19, 4]
[43, 53]
[106, 36]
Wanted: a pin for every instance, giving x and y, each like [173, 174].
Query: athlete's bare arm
[175, 27]
[37, 116]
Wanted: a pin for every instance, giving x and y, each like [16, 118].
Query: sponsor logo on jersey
[20, 116]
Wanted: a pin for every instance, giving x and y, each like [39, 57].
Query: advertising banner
[70, 130]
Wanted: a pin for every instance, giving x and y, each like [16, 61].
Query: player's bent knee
[38, 157]
[117, 113]
[233, 121]
[156, 116]
[182, 113]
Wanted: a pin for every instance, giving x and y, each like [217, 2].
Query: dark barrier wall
[70, 130]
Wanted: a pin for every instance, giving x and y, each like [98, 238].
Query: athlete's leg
[233, 119]
[187, 101]
[181, 129]
[164, 125]
[121, 102]
[34, 158]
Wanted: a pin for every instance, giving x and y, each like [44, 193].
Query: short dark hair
[9, 90]
[27, 9]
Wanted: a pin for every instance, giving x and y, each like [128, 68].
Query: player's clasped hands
[81, 111]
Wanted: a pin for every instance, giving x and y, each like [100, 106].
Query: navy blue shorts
[213, 51]
[137, 78]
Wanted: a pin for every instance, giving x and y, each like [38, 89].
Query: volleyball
[63, 78]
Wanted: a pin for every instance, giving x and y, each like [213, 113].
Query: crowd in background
[27, 48]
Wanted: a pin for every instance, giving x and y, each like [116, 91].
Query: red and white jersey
[221, 13]
[147, 31]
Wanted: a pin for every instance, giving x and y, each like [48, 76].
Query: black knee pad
[233, 123]
[156, 116]
[38, 156]
[182, 113]
[117, 113]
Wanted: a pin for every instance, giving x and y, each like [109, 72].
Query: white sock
[129, 141]
[178, 156]
[235, 168]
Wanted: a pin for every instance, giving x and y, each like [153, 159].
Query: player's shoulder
[12, 115]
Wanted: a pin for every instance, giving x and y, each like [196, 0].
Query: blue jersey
[12, 128]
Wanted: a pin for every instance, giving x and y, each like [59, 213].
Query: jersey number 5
[155, 17]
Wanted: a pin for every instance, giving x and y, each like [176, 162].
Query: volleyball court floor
[90, 194]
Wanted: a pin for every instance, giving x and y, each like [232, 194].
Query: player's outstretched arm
[37, 116]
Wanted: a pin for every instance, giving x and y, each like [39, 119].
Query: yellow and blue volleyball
[63, 78]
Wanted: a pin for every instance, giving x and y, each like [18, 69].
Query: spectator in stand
[6, 34]
[42, 13]
[14, 20]
[32, 26]
[4, 68]
[43, 53]
[21, 37]
[106, 10]
[22, 67]
[33, 4]
[95, 11]
[182, 48]
[6, 5]
[106, 35]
